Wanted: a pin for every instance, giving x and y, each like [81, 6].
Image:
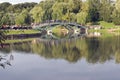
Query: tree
[116, 17]
[4, 6]
[47, 7]
[37, 14]
[105, 10]
[116, 13]
[77, 6]
[23, 18]
[1, 15]
[20, 7]
[5, 20]
[11, 9]
[117, 5]
[93, 13]
[57, 11]
[82, 17]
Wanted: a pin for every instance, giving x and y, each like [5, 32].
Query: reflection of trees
[2, 36]
[105, 49]
[23, 46]
[71, 50]
[57, 50]
[92, 49]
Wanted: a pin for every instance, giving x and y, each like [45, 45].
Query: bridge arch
[50, 25]
[77, 30]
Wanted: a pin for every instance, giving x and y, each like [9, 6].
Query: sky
[19, 1]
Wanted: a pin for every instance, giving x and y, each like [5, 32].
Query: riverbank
[105, 32]
[14, 36]
[105, 28]
[17, 32]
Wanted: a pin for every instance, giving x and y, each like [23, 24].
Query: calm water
[71, 59]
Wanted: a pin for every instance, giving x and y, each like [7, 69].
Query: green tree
[82, 15]
[117, 5]
[37, 14]
[5, 20]
[105, 10]
[116, 13]
[1, 15]
[57, 10]
[47, 7]
[77, 6]
[93, 13]
[23, 18]
[20, 7]
[4, 6]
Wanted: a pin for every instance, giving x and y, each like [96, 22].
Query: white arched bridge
[69, 26]
[73, 29]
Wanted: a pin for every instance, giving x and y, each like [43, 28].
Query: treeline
[66, 10]
[17, 14]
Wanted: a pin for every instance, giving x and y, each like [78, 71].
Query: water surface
[67, 59]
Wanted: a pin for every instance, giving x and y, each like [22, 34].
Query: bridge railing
[43, 25]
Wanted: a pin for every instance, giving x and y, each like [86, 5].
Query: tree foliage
[37, 14]
[116, 13]
[66, 10]
[23, 18]
[105, 10]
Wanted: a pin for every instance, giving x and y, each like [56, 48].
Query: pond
[81, 58]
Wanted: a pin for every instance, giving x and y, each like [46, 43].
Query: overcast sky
[19, 1]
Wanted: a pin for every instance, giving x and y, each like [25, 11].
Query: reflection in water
[63, 35]
[2, 37]
[94, 34]
[94, 50]
[51, 54]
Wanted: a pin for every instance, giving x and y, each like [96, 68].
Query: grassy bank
[11, 32]
[108, 29]
[17, 40]
[106, 32]
[106, 25]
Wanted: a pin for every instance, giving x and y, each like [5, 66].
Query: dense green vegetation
[15, 14]
[68, 10]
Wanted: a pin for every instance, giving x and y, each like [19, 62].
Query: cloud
[19, 1]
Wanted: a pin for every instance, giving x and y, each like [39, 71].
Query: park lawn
[106, 25]
[11, 32]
